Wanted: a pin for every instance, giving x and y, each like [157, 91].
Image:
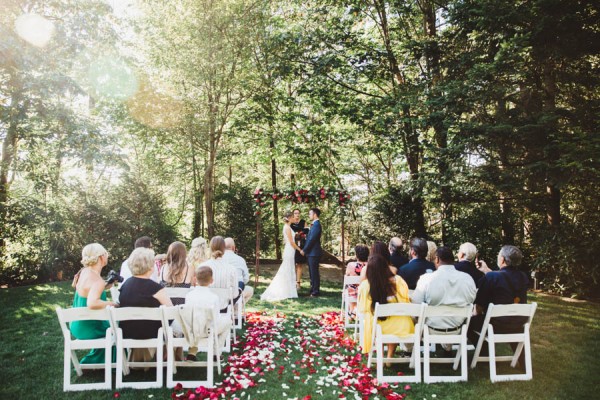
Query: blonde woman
[198, 252]
[90, 292]
[283, 285]
[431, 248]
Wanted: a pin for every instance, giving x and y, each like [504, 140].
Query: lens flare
[153, 108]
[34, 29]
[112, 78]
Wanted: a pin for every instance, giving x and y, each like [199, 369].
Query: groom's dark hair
[316, 211]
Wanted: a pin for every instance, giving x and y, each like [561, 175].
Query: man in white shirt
[445, 287]
[240, 267]
[125, 272]
[202, 295]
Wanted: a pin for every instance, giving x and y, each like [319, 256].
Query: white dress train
[283, 285]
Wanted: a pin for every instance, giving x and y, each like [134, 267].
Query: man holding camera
[146, 242]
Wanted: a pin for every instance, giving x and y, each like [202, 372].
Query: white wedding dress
[283, 285]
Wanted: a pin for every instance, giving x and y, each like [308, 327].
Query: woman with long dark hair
[177, 272]
[381, 249]
[383, 287]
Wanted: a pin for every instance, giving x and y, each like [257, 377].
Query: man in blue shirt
[506, 286]
[418, 265]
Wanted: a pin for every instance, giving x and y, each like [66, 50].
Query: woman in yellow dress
[383, 287]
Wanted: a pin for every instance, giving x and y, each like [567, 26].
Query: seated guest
[177, 273]
[354, 268]
[141, 291]
[241, 268]
[90, 292]
[198, 253]
[379, 248]
[383, 287]
[431, 248]
[125, 272]
[397, 256]
[418, 265]
[466, 262]
[506, 286]
[445, 287]
[224, 274]
[201, 295]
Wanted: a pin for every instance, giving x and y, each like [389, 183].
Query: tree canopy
[450, 120]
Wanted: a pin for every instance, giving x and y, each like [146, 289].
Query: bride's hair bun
[287, 215]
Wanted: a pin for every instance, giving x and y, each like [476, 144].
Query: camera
[113, 276]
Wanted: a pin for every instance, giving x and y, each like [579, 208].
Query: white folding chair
[226, 297]
[177, 292]
[66, 316]
[487, 334]
[209, 345]
[379, 341]
[114, 293]
[456, 337]
[241, 312]
[123, 360]
[347, 300]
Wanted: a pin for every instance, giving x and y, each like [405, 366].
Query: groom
[312, 250]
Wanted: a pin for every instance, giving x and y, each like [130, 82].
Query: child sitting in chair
[203, 296]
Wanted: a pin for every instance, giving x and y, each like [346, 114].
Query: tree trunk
[412, 149]
[552, 189]
[9, 153]
[275, 208]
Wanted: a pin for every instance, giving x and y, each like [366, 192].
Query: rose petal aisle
[295, 358]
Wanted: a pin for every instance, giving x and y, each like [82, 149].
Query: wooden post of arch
[257, 266]
[343, 247]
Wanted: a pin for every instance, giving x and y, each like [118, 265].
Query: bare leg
[391, 349]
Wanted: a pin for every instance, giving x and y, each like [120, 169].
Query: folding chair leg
[518, 351]
[492, 352]
[76, 364]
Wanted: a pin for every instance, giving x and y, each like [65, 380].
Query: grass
[565, 339]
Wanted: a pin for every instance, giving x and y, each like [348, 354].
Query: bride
[283, 285]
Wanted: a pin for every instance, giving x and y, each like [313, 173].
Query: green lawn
[566, 338]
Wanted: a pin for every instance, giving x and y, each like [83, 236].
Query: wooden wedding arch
[298, 196]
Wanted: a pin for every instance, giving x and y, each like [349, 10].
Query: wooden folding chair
[124, 346]
[66, 316]
[380, 340]
[226, 296]
[208, 345]
[347, 300]
[457, 337]
[487, 334]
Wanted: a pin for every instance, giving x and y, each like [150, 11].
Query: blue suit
[412, 271]
[312, 250]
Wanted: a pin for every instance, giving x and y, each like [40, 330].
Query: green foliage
[235, 218]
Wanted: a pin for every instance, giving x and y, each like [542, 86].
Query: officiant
[300, 231]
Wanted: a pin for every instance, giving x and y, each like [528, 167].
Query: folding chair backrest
[448, 311]
[395, 309]
[136, 313]
[177, 292]
[69, 315]
[351, 280]
[512, 310]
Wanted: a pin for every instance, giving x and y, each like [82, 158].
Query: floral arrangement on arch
[300, 196]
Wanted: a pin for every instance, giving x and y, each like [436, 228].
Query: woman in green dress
[90, 292]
